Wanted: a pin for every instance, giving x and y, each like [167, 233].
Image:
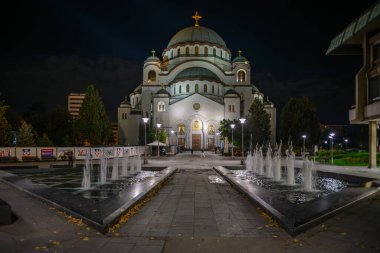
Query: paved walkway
[189, 214]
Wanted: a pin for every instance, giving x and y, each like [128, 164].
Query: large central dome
[197, 34]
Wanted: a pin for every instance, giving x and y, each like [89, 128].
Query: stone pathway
[189, 214]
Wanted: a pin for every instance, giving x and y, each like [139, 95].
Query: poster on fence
[126, 151]
[81, 152]
[63, 153]
[119, 151]
[7, 152]
[108, 152]
[26, 152]
[96, 153]
[46, 153]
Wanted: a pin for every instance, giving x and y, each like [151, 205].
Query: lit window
[241, 76]
[206, 51]
[213, 89]
[161, 106]
[178, 52]
[151, 76]
[180, 89]
[196, 50]
[231, 108]
[187, 88]
[171, 54]
[205, 88]
[187, 51]
[214, 51]
[196, 88]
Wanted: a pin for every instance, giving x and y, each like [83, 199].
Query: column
[372, 144]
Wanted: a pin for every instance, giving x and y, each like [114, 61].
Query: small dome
[254, 89]
[197, 34]
[163, 92]
[239, 58]
[231, 92]
[152, 58]
[197, 73]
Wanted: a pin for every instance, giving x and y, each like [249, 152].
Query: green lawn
[342, 158]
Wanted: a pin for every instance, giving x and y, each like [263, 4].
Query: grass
[342, 158]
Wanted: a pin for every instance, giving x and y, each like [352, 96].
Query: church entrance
[196, 141]
[211, 143]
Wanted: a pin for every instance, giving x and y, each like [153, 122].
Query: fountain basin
[296, 217]
[99, 207]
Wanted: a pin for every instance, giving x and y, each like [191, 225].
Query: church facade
[195, 85]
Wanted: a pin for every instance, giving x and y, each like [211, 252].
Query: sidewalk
[191, 213]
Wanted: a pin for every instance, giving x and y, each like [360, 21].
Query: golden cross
[239, 52]
[153, 52]
[196, 17]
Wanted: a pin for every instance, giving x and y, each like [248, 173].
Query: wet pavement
[194, 212]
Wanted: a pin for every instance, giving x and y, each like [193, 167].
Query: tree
[161, 135]
[5, 127]
[93, 124]
[26, 135]
[258, 123]
[44, 141]
[59, 126]
[298, 117]
[37, 116]
[226, 131]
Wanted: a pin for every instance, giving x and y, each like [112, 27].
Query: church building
[196, 84]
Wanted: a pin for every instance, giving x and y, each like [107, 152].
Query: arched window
[171, 54]
[213, 89]
[181, 129]
[206, 51]
[196, 88]
[175, 89]
[196, 50]
[205, 88]
[241, 76]
[180, 89]
[221, 53]
[214, 51]
[231, 108]
[187, 88]
[161, 106]
[178, 52]
[211, 130]
[187, 51]
[151, 76]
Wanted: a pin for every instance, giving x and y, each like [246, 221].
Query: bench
[5, 213]
[29, 158]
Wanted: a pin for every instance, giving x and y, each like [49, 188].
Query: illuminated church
[195, 85]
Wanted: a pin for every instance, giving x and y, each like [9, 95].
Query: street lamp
[331, 137]
[304, 138]
[158, 146]
[145, 121]
[242, 120]
[232, 127]
[346, 141]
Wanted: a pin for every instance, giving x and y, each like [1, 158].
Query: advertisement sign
[108, 152]
[96, 153]
[26, 152]
[47, 152]
[63, 152]
[80, 153]
[6, 152]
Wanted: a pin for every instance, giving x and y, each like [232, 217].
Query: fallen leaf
[85, 238]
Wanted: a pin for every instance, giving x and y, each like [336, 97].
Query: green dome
[231, 92]
[197, 34]
[197, 73]
[255, 89]
[239, 59]
[163, 92]
[152, 59]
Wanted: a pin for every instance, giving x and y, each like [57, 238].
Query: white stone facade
[193, 88]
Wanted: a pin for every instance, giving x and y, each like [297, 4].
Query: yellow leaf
[37, 247]
[86, 238]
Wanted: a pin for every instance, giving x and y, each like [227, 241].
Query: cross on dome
[239, 52]
[196, 17]
[153, 52]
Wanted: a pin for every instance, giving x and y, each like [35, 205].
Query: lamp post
[331, 137]
[232, 127]
[346, 142]
[242, 120]
[158, 142]
[145, 121]
[304, 138]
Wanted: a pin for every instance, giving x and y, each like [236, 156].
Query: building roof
[196, 34]
[163, 91]
[197, 73]
[231, 92]
[349, 40]
[152, 58]
[255, 89]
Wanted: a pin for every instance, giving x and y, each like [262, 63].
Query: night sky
[52, 48]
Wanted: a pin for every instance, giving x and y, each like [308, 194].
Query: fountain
[277, 164]
[268, 163]
[124, 164]
[103, 170]
[308, 170]
[138, 164]
[260, 162]
[290, 157]
[115, 166]
[249, 162]
[86, 181]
